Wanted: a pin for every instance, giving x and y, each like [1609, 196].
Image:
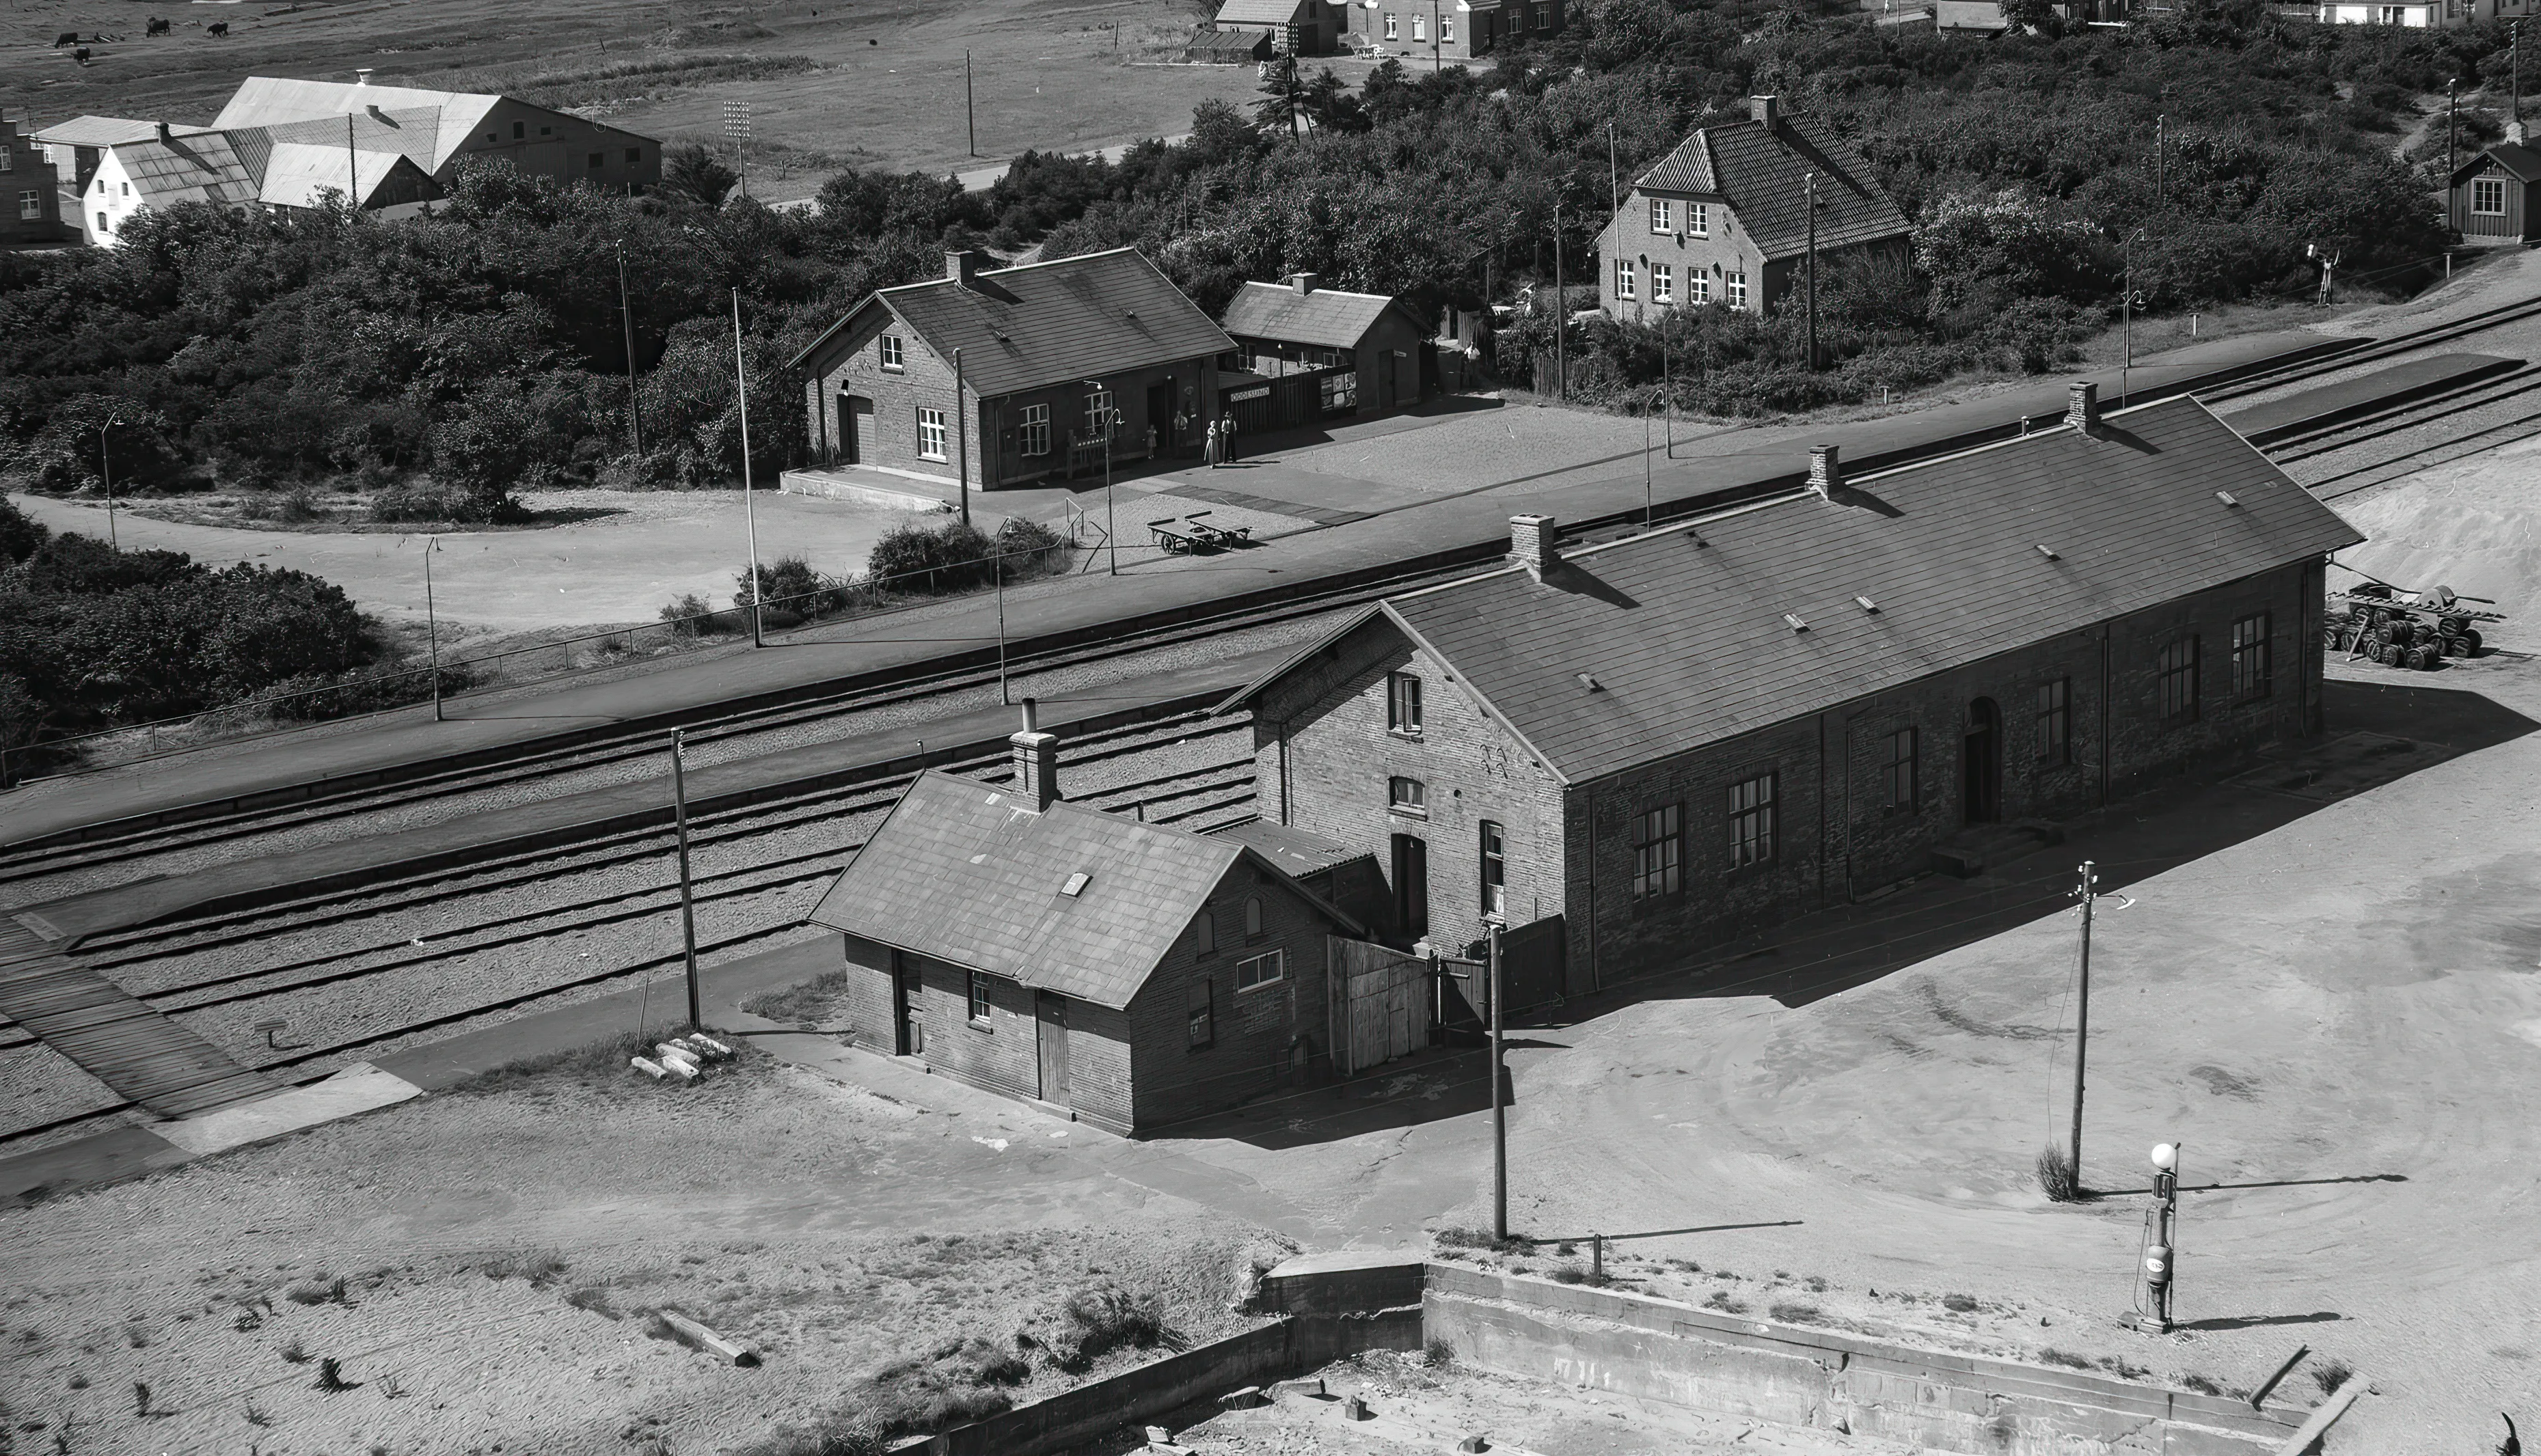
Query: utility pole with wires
[688, 897]
[1667, 387]
[2160, 153]
[748, 510]
[432, 623]
[2087, 894]
[1809, 186]
[1560, 314]
[1613, 177]
[2452, 128]
[969, 112]
[626, 319]
[735, 129]
[2514, 68]
[1499, 1101]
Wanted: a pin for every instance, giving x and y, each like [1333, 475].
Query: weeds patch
[537, 1266]
[2056, 1176]
[2329, 1375]
[2050, 1355]
[806, 1004]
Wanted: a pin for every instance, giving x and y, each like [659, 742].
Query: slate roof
[1688, 643]
[1259, 12]
[1299, 851]
[966, 872]
[1759, 172]
[2516, 160]
[202, 167]
[1327, 318]
[1049, 323]
[106, 131]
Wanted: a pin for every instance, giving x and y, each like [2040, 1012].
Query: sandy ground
[500, 1250]
[621, 567]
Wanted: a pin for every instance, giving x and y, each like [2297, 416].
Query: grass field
[831, 82]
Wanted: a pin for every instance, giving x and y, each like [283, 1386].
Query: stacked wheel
[2422, 658]
[2400, 632]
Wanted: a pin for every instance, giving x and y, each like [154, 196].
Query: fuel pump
[2160, 1243]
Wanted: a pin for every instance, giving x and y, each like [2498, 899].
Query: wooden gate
[1380, 1003]
[1531, 962]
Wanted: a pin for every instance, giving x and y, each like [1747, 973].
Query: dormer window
[891, 352]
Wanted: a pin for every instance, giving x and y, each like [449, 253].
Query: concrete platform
[571, 819]
[1467, 525]
[2353, 399]
[876, 488]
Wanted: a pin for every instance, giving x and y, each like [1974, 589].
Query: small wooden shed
[2491, 194]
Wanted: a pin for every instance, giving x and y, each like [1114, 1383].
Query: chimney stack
[1531, 544]
[1036, 763]
[362, 75]
[1826, 470]
[165, 135]
[2082, 406]
[1305, 282]
[1765, 110]
[961, 266]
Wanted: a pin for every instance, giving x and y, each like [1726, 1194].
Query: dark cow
[157, 27]
[217, 28]
[66, 37]
[80, 55]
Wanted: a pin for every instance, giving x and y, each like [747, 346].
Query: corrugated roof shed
[1684, 633]
[1051, 323]
[966, 872]
[1327, 318]
[1759, 172]
[199, 168]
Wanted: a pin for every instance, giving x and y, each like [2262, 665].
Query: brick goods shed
[1053, 355]
[1129, 974]
[1654, 746]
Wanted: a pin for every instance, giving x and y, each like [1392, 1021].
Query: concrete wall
[1657, 1349]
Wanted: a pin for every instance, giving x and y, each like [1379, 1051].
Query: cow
[217, 28]
[80, 55]
[66, 37]
[157, 27]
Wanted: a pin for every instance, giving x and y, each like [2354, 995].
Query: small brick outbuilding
[1126, 974]
[1641, 751]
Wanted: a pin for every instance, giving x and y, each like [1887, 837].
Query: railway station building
[1314, 353]
[1122, 973]
[1637, 753]
[1008, 375]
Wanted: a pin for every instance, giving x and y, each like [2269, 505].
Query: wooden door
[1411, 887]
[857, 430]
[909, 1006]
[1385, 379]
[1052, 1022]
[1380, 1003]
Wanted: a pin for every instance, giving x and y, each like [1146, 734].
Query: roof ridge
[1276, 287]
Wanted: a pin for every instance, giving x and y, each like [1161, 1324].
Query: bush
[2329, 1375]
[2055, 1176]
[789, 582]
[1090, 1322]
[691, 617]
[914, 559]
[20, 533]
[428, 499]
[1959, 1304]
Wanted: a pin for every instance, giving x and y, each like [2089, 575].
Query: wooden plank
[116, 1037]
[712, 1343]
[2322, 1418]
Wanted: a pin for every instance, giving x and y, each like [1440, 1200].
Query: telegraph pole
[1614, 179]
[432, 623]
[748, 511]
[2160, 136]
[1560, 314]
[1810, 185]
[687, 899]
[2088, 891]
[626, 318]
[962, 438]
[2515, 65]
[2452, 129]
[1499, 1102]
[970, 112]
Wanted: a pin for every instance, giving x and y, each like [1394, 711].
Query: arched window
[1252, 915]
[1205, 929]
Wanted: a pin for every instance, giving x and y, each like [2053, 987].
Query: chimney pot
[1767, 110]
[2082, 406]
[1826, 470]
[1531, 543]
[1305, 282]
[961, 266]
[1032, 709]
[362, 75]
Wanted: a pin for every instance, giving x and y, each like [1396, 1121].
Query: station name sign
[1257, 392]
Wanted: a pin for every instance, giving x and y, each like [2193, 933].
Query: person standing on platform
[1182, 431]
[1209, 448]
[1226, 442]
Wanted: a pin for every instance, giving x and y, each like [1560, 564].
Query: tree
[20, 533]
[1278, 108]
[690, 170]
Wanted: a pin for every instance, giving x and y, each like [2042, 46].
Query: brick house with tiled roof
[1724, 217]
[1124, 972]
[31, 208]
[1690, 734]
[1296, 27]
[1031, 342]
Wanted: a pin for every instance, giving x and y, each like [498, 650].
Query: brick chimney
[1036, 763]
[2082, 406]
[1826, 470]
[165, 135]
[1305, 282]
[961, 266]
[362, 75]
[1766, 111]
[1531, 544]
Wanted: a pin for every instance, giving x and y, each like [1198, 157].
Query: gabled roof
[279, 101]
[202, 167]
[106, 131]
[1260, 12]
[1653, 645]
[295, 173]
[414, 132]
[1761, 172]
[1299, 851]
[1327, 318]
[966, 872]
[1049, 323]
[2514, 159]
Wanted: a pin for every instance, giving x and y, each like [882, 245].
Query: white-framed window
[1406, 796]
[1662, 283]
[1391, 27]
[888, 347]
[1697, 219]
[1266, 968]
[1738, 292]
[1403, 704]
[1033, 430]
[930, 433]
[1542, 17]
[1625, 282]
[1098, 414]
[8, 160]
[1447, 29]
[31, 206]
[2488, 197]
[1517, 19]
[1697, 286]
[978, 1000]
[1420, 26]
[1662, 214]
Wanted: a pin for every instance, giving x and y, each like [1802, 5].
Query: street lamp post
[105, 473]
[1499, 1101]
[1110, 420]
